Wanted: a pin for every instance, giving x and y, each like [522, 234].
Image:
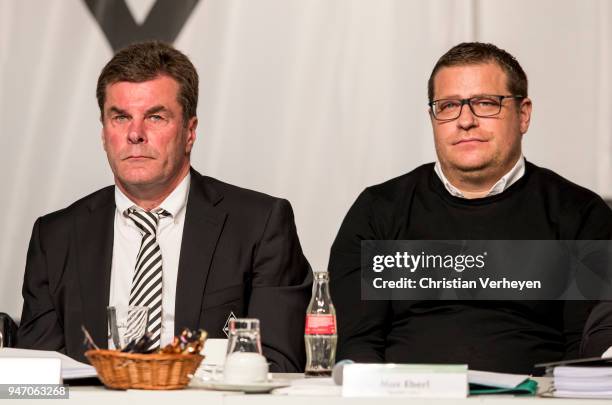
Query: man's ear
[525, 109]
[102, 132]
[103, 140]
[191, 134]
[431, 117]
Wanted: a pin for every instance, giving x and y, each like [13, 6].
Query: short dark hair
[145, 61]
[473, 53]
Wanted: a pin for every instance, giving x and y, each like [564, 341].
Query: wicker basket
[122, 371]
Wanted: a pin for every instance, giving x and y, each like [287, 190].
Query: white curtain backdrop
[310, 100]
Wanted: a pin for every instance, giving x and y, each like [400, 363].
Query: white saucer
[260, 387]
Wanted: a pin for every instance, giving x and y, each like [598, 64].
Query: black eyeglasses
[481, 106]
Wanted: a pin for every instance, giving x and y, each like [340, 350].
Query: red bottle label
[320, 324]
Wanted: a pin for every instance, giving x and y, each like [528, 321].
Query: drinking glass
[245, 362]
[127, 324]
[244, 336]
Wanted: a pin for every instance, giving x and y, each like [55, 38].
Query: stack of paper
[71, 368]
[582, 382]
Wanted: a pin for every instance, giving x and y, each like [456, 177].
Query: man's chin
[471, 158]
[471, 166]
[137, 181]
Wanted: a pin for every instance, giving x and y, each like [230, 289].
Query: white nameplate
[405, 380]
[21, 370]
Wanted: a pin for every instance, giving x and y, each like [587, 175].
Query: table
[91, 395]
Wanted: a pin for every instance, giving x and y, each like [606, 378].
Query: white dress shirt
[502, 184]
[126, 244]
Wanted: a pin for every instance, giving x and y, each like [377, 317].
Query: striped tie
[146, 288]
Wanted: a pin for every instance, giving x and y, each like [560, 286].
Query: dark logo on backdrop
[164, 22]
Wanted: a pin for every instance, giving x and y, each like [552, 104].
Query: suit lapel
[94, 231]
[203, 225]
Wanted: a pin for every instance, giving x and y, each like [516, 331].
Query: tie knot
[146, 221]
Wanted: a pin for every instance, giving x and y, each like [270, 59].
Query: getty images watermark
[486, 270]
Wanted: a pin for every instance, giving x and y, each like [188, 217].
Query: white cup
[245, 367]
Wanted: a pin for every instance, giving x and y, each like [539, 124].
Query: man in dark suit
[193, 249]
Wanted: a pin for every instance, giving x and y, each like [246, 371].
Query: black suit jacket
[240, 253]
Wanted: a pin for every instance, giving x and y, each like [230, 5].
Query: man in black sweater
[480, 188]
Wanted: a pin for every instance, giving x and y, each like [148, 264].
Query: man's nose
[466, 119]
[136, 132]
